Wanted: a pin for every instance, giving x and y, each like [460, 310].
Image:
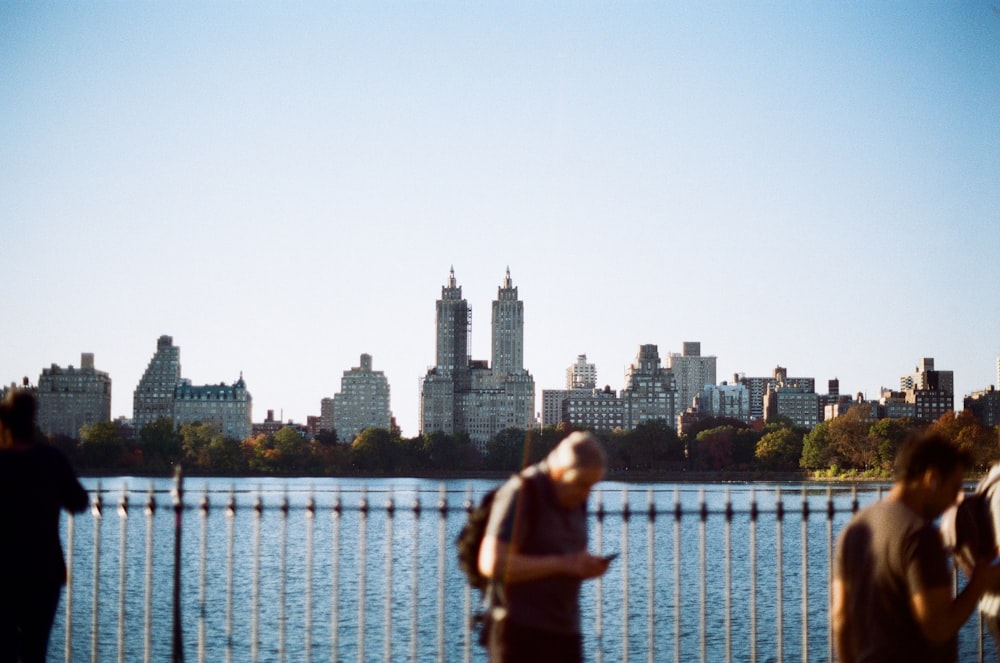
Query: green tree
[292, 447]
[817, 453]
[103, 445]
[376, 450]
[160, 444]
[505, 452]
[195, 441]
[780, 449]
[887, 435]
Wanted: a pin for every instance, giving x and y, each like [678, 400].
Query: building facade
[163, 394]
[71, 398]
[598, 410]
[230, 407]
[650, 391]
[153, 398]
[930, 391]
[460, 394]
[362, 402]
[730, 401]
[758, 386]
[692, 372]
[581, 375]
[985, 405]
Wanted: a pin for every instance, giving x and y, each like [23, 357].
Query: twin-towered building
[479, 397]
[482, 398]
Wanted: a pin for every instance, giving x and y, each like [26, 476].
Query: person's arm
[841, 629]
[940, 616]
[499, 559]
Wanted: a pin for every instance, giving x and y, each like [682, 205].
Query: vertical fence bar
[830, 513]
[122, 552]
[335, 580]
[310, 526]
[230, 568]
[729, 577]
[390, 510]
[599, 589]
[96, 509]
[702, 574]
[202, 575]
[753, 574]
[779, 579]
[442, 521]
[651, 576]
[147, 638]
[415, 593]
[362, 573]
[283, 583]
[805, 576]
[68, 628]
[178, 490]
[468, 506]
[258, 512]
[626, 513]
[678, 513]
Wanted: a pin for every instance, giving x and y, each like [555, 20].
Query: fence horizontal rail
[346, 573]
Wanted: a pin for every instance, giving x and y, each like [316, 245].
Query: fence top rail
[804, 502]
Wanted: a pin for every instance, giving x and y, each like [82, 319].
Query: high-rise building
[230, 407]
[581, 375]
[779, 378]
[154, 396]
[932, 392]
[731, 401]
[598, 410]
[650, 391]
[70, 398]
[163, 394]
[581, 380]
[985, 405]
[692, 372]
[460, 394]
[362, 402]
[799, 404]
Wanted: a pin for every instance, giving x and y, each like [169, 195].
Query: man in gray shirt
[535, 554]
[891, 594]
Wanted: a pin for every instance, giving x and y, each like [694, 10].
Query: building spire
[506, 281]
[451, 277]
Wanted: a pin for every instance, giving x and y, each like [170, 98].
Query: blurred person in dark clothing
[36, 483]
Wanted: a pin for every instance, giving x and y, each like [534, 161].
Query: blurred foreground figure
[535, 554]
[36, 482]
[891, 593]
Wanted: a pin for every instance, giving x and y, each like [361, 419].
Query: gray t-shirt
[885, 555]
[525, 512]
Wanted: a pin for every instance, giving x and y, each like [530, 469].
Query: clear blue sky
[284, 186]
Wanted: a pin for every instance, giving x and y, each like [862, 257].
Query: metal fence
[239, 576]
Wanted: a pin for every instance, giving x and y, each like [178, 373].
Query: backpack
[471, 538]
[967, 528]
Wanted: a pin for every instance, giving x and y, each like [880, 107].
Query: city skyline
[281, 189]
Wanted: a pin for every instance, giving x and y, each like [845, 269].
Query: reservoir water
[354, 584]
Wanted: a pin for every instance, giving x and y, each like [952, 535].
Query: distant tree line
[849, 445]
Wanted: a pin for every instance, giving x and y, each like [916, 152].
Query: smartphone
[608, 558]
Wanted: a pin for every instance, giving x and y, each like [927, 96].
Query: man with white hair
[535, 554]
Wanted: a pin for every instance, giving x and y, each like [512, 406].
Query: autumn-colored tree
[849, 439]
[965, 429]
